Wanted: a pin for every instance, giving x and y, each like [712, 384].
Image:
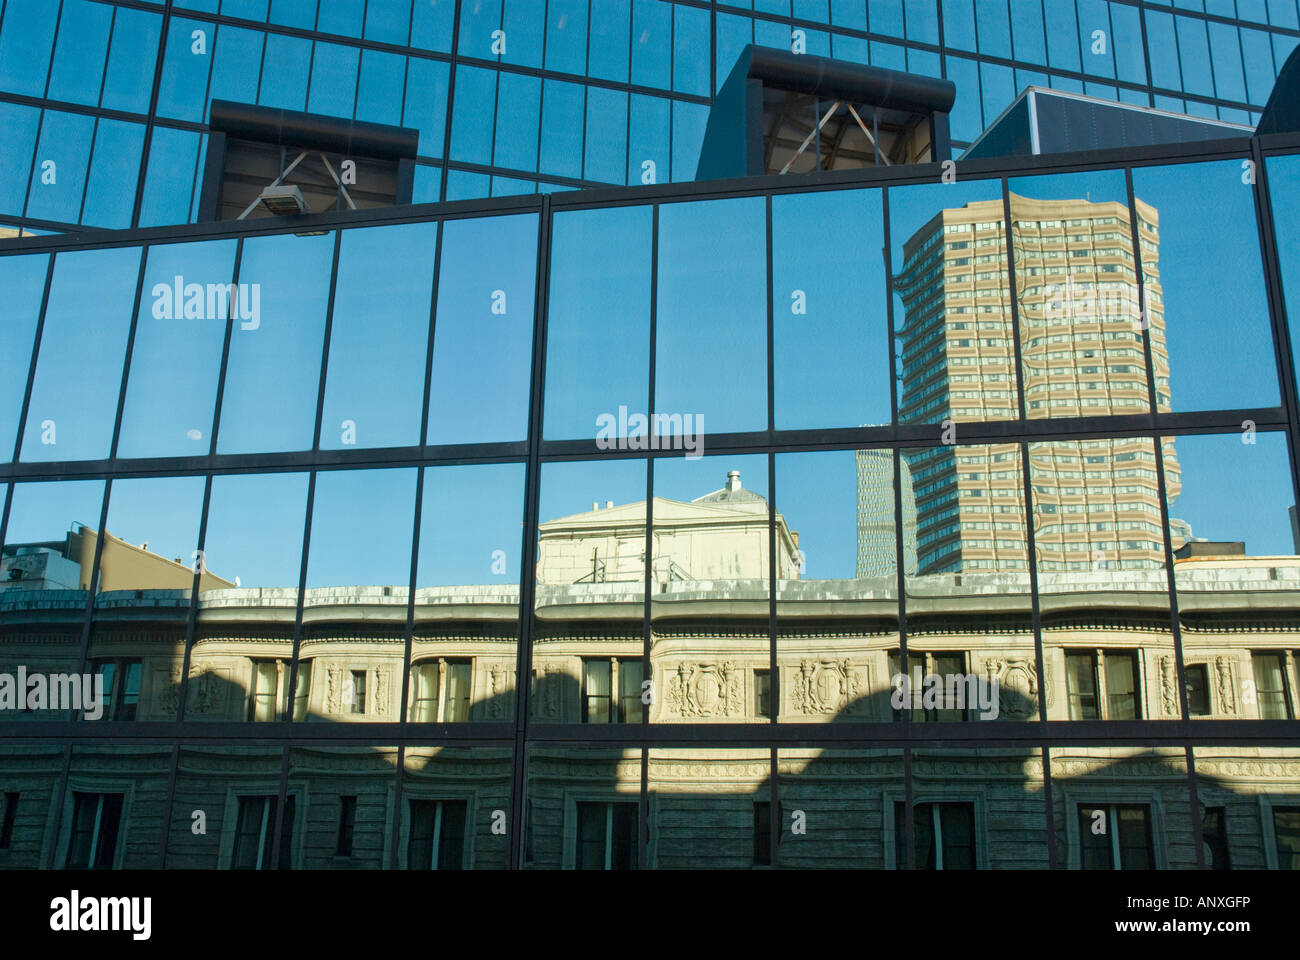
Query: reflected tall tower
[877, 555]
[1081, 349]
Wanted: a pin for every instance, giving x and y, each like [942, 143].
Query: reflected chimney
[733, 481]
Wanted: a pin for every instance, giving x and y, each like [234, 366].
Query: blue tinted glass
[114, 172]
[652, 27]
[512, 186]
[566, 36]
[1229, 83]
[482, 349]
[169, 182]
[1193, 48]
[388, 21]
[185, 69]
[1257, 56]
[472, 114]
[358, 512]
[23, 281]
[562, 112]
[600, 283]
[922, 20]
[1027, 31]
[828, 305]
[245, 9]
[1282, 13]
[379, 94]
[814, 10]
[965, 118]
[1255, 11]
[378, 341]
[1126, 36]
[431, 24]
[79, 365]
[479, 20]
[1062, 36]
[923, 62]
[849, 13]
[464, 185]
[649, 128]
[779, 7]
[26, 37]
[524, 24]
[959, 24]
[19, 124]
[236, 64]
[333, 80]
[294, 13]
[852, 49]
[689, 120]
[1282, 47]
[471, 517]
[342, 17]
[691, 50]
[129, 80]
[254, 531]
[176, 352]
[891, 56]
[611, 21]
[885, 16]
[998, 89]
[516, 134]
[1097, 43]
[994, 29]
[285, 68]
[275, 348]
[80, 51]
[426, 103]
[202, 6]
[1163, 50]
[606, 153]
[733, 35]
[778, 36]
[61, 160]
[428, 184]
[712, 263]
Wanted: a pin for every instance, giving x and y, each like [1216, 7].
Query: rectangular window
[943, 664]
[1214, 834]
[600, 677]
[1102, 684]
[347, 825]
[763, 693]
[1286, 834]
[1115, 837]
[1270, 685]
[944, 834]
[437, 838]
[441, 683]
[358, 691]
[255, 833]
[96, 819]
[762, 833]
[7, 816]
[606, 836]
[1198, 690]
[121, 688]
[268, 699]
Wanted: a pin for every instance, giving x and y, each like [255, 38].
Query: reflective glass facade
[934, 516]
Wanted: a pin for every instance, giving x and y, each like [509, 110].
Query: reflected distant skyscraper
[877, 555]
[1081, 349]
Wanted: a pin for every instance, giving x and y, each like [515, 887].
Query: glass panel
[233, 793]
[1076, 286]
[834, 808]
[829, 310]
[1193, 264]
[952, 312]
[31, 777]
[1122, 808]
[712, 263]
[455, 809]
[702, 807]
[185, 302]
[283, 293]
[1251, 800]
[378, 343]
[582, 807]
[467, 594]
[79, 370]
[600, 283]
[590, 577]
[482, 350]
[23, 280]
[325, 782]
[113, 808]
